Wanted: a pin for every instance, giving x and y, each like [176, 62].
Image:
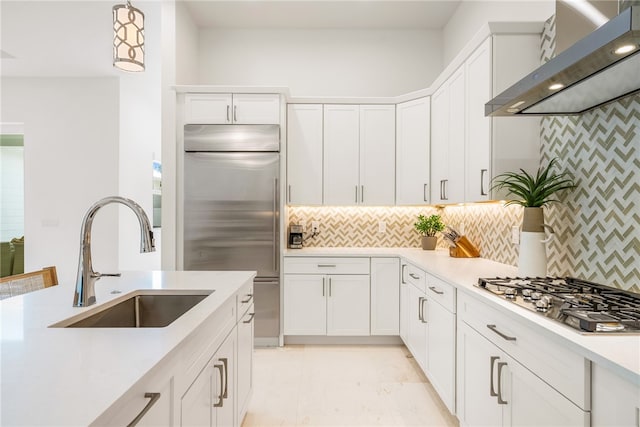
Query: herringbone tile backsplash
[597, 227]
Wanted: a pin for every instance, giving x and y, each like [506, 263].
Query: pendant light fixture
[128, 37]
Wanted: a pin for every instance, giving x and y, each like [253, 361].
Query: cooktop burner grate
[580, 304]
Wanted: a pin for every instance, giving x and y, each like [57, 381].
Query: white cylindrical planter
[532, 261]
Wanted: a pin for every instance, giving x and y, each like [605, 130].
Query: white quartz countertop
[69, 376]
[620, 353]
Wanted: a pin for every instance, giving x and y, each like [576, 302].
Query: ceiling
[378, 14]
[73, 38]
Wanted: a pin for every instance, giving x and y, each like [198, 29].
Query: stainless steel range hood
[587, 74]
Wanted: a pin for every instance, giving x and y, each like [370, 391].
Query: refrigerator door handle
[275, 224]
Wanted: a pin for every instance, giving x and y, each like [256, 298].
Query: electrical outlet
[315, 226]
[515, 235]
[382, 227]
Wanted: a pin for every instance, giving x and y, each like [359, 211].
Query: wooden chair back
[19, 284]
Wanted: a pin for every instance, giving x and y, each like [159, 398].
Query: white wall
[331, 62]
[70, 160]
[186, 42]
[140, 144]
[472, 14]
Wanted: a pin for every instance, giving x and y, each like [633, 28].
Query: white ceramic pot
[532, 261]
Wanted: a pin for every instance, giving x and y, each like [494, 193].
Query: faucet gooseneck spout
[85, 294]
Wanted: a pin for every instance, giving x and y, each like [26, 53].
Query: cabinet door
[412, 152]
[348, 305]
[478, 140]
[417, 326]
[244, 377]
[477, 403]
[304, 154]
[385, 296]
[305, 304]
[224, 366]
[207, 108]
[621, 408]
[256, 109]
[196, 406]
[532, 402]
[404, 312]
[441, 352]
[377, 154]
[454, 184]
[341, 158]
[439, 143]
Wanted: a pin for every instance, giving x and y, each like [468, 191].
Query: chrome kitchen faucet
[85, 294]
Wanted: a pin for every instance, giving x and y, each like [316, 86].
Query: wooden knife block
[464, 249]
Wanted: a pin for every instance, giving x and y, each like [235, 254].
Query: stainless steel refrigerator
[231, 210]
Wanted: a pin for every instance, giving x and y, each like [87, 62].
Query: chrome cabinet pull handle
[442, 189]
[356, 194]
[228, 113]
[329, 286]
[492, 393]
[500, 366]
[436, 290]
[422, 306]
[424, 192]
[326, 265]
[220, 401]
[235, 113]
[402, 274]
[444, 186]
[495, 329]
[323, 286]
[420, 309]
[251, 316]
[250, 296]
[154, 398]
[289, 193]
[413, 276]
[362, 194]
[482, 172]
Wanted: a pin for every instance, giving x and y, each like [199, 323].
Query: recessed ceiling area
[315, 14]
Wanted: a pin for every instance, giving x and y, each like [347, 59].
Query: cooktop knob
[526, 294]
[536, 296]
[510, 293]
[543, 304]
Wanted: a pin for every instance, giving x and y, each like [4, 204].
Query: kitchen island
[85, 376]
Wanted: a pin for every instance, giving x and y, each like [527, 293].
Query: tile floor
[306, 385]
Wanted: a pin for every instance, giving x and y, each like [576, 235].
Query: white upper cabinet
[498, 144]
[341, 156]
[447, 140]
[304, 154]
[377, 154]
[359, 154]
[226, 108]
[412, 152]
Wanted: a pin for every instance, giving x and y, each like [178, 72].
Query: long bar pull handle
[402, 274]
[420, 309]
[154, 398]
[495, 329]
[356, 194]
[249, 298]
[235, 113]
[323, 286]
[492, 392]
[424, 192]
[422, 306]
[413, 276]
[251, 316]
[482, 172]
[362, 194]
[436, 290]
[442, 189]
[289, 193]
[500, 366]
[220, 402]
[224, 361]
[326, 265]
[228, 107]
[275, 224]
[444, 186]
[329, 286]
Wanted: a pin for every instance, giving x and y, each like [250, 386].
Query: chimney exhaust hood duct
[599, 68]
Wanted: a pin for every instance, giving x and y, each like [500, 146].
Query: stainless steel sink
[145, 309]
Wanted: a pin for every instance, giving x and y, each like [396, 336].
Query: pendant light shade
[128, 37]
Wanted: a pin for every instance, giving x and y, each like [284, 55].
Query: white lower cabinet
[244, 366]
[404, 312]
[417, 326]
[305, 304]
[385, 296]
[616, 400]
[209, 401]
[494, 389]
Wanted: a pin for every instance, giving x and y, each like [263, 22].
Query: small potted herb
[428, 227]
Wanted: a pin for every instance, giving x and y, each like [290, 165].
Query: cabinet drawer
[244, 300]
[316, 265]
[415, 276]
[566, 371]
[442, 292]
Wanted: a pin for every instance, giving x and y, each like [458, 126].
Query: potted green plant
[428, 227]
[533, 193]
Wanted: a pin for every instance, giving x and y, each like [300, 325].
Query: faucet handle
[108, 274]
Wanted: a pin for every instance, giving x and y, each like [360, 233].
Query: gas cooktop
[585, 306]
